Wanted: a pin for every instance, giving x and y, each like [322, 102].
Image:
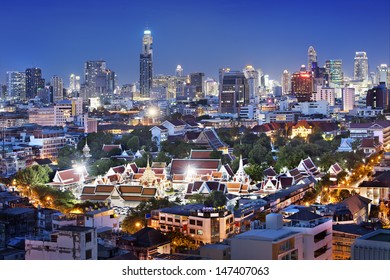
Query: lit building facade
[34, 82]
[233, 91]
[58, 88]
[360, 67]
[16, 85]
[302, 85]
[146, 65]
[334, 68]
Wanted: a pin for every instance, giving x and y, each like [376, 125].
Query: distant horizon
[200, 36]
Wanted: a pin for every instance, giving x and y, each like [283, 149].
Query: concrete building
[324, 93]
[348, 95]
[68, 243]
[372, 246]
[312, 108]
[233, 91]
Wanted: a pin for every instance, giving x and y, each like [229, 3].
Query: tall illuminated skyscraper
[383, 74]
[302, 85]
[16, 84]
[233, 91]
[286, 82]
[146, 65]
[179, 71]
[34, 82]
[311, 57]
[360, 68]
[334, 68]
[58, 88]
[74, 83]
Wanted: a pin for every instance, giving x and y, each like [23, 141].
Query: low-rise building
[68, 243]
[372, 246]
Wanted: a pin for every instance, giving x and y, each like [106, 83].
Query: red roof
[108, 148]
[200, 154]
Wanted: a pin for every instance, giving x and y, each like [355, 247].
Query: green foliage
[216, 155]
[344, 194]
[33, 175]
[101, 166]
[133, 143]
[163, 157]
[197, 198]
[178, 148]
[180, 241]
[136, 219]
[115, 152]
[53, 198]
[67, 156]
[95, 143]
[215, 199]
[255, 171]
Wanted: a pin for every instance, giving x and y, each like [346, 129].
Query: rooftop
[266, 234]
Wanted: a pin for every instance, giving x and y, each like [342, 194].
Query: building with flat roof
[372, 246]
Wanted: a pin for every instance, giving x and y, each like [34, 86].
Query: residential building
[49, 141]
[312, 108]
[377, 188]
[58, 89]
[379, 129]
[286, 82]
[324, 93]
[378, 97]
[67, 243]
[348, 95]
[301, 129]
[344, 236]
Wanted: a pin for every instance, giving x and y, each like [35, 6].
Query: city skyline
[201, 37]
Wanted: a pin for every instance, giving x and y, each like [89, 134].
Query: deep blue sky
[59, 36]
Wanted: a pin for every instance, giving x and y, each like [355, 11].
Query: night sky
[202, 36]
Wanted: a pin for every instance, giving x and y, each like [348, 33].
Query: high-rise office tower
[311, 57]
[253, 82]
[233, 91]
[16, 85]
[320, 75]
[383, 74]
[348, 99]
[34, 82]
[286, 82]
[360, 67]
[211, 87]
[197, 81]
[334, 68]
[302, 85]
[74, 83]
[58, 88]
[146, 65]
[179, 71]
[378, 97]
[98, 80]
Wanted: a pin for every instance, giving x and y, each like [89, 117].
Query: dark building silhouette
[378, 97]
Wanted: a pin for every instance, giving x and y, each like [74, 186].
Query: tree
[67, 157]
[255, 171]
[33, 175]
[180, 241]
[133, 143]
[344, 194]
[101, 166]
[115, 152]
[215, 199]
[216, 155]
[197, 198]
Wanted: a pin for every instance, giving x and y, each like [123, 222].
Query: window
[88, 254]
[192, 222]
[88, 237]
[169, 219]
[162, 218]
[199, 223]
[177, 220]
[192, 231]
[200, 232]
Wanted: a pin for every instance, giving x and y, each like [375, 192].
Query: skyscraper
[34, 82]
[197, 81]
[383, 74]
[286, 82]
[311, 57]
[179, 71]
[98, 80]
[58, 88]
[16, 84]
[253, 81]
[146, 65]
[302, 85]
[360, 68]
[233, 91]
[334, 68]
[74, 83]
